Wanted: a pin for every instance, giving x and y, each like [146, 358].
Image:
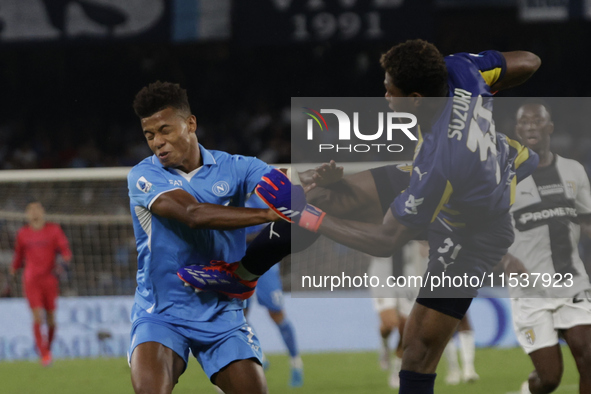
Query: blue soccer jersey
[165, 245]
[463, 170]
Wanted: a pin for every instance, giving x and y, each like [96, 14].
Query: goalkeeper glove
[288, 201]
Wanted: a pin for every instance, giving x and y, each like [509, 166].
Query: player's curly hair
[158, 96]
[416, 66]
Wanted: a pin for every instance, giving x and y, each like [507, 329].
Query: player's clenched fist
[288, 201]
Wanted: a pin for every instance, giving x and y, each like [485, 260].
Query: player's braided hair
[416, 66]
[158, 96]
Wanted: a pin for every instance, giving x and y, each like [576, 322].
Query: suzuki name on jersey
[547, 214]
[461, 105]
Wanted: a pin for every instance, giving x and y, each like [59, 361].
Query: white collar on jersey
[208, 159]
[187, 176]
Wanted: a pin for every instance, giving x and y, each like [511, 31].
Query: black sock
[416, 383]
[276, 241]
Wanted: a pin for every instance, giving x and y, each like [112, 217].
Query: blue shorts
[215, 344]
[269, 290]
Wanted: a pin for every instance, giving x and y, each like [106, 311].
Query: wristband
[311, 218]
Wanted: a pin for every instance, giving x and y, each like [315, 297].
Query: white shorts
[400, 298]
[536, 321]
[382, 268]
[402, 305]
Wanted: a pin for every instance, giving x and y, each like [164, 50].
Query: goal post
[92, 207]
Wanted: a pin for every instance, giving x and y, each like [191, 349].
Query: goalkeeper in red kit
[37, 245]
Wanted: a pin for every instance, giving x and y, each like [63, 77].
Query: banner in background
[154, 20]
[289, 21]
[352, 324]
[86, 327]
[91, 327]
[544, 10]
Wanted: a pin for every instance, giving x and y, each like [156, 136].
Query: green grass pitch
[501, 371]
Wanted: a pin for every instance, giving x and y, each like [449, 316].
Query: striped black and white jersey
[545, 214]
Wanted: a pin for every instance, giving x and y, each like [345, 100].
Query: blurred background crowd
[66, 101]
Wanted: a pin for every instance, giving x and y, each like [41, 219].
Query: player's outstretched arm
[521, 65]
[355, 196]
[380, 240]
[290, 203]
[179, 205]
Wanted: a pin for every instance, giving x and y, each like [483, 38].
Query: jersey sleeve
[254, 171]
[63, 245]
[146, 184]
[526, 160]
[17, 260]
[255, 202]
[429, 190]
[491, 64]
[583, 197]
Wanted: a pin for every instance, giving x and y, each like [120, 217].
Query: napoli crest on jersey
[220, 188]
[144, 185]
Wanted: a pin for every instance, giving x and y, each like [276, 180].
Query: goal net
[92, 207]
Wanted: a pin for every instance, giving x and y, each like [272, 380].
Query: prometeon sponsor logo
[390, 119]
[547, 214]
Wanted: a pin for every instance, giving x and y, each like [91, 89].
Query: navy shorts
[459, 262]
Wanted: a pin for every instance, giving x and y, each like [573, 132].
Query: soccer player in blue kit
[187, 205]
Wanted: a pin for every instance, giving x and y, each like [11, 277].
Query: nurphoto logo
[390, 119]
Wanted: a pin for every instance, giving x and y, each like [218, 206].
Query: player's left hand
[61, 270]
[322, 176]
[275, 191]
[288, 201]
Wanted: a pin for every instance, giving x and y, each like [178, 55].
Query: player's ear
[550, 127]
[416, 99]
[192, 123]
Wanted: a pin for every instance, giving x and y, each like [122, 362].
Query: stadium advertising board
[288, 21]
[543, 11]
[90, 327]
[87, 327]
[98, 20]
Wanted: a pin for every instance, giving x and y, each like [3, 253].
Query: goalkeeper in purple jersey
[460, 191]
